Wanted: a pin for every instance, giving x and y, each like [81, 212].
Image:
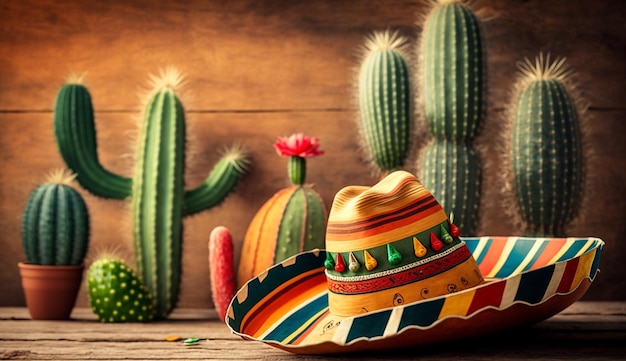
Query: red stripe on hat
[549, 251]
[269, 305]
[313, 326]
[489, 295]
[568, 276]
[408, 209]
[411, 275]
[407, 217]
[493, 255]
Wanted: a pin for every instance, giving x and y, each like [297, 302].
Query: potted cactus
[55, 237]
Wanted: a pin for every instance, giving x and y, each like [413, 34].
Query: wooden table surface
[584, 331]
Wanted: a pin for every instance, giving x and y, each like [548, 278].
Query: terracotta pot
[50, 290]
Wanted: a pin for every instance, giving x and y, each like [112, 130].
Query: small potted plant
[55, 237]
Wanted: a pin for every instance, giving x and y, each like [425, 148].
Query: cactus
[546, 148]
[452, 84]
[222, 269]
[116, 294]
[55, 223]
[292, 221]
[385, 101]
[157, 194]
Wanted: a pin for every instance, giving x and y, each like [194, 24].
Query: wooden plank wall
[261, 69]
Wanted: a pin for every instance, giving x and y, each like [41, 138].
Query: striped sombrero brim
[528, 280]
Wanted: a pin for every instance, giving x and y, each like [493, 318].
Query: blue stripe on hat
[573, 250]
[484, 252]
[516, 257]
[533, 285]
[421, 314]
[596, 261]
[370, 325]
[297, 319]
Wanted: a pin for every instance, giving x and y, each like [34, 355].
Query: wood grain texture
[584, 331]
[257, 70]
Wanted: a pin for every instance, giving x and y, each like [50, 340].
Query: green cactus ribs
[303, 225]
[453, 169]
[546, 149]
[452, 72]
[452, 83]
[116, 294]
[385, 101]
[55, 224]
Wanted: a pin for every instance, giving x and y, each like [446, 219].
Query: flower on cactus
[298, 147]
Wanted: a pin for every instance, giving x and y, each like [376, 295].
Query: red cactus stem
[222, 269]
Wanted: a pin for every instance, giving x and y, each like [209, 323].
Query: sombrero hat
[396, 274]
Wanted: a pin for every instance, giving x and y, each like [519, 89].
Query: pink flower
[298, 145]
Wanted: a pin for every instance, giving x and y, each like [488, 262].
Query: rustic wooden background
[257, 70]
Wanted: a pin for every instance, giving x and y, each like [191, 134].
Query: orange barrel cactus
[292, 221]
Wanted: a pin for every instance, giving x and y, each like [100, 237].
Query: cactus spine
[55, 224]
[157, 193]
[452, 85]
[385, 101]
[546, 148]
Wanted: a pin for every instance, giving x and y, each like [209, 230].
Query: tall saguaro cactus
[157, 194]
[385, 101]
[451, 75]
[546, 153]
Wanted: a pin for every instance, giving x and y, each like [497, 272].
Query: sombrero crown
[392, 244]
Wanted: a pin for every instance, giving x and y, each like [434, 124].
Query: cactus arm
[76, 139]
[220, 182]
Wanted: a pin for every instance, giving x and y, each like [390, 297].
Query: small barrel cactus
[385, 101]
[292, 221]
[222, 269]
[546, 148]
[55, 223]
[451, 74]
[116, 294]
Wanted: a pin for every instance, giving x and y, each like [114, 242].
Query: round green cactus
[116, 294]
[55, 223]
